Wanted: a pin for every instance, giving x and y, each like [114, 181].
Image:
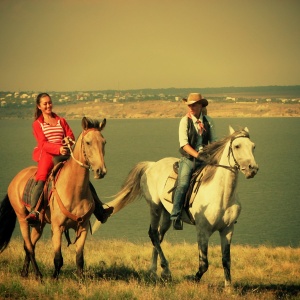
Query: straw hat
[195, 97]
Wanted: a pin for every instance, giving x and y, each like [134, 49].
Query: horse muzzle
[250, 171]
[99, 173]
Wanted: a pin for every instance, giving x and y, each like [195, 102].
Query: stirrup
[33, 217]
[177, 224]
[106, 214]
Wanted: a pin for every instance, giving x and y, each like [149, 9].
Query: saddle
[49, 188]
[171, 184]
[47, 191]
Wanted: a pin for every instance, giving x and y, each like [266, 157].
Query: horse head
[241, 152]
[93, 144]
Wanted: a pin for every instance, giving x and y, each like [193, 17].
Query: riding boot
[177, 208]
[177, 203]
[102, 214]
[37, 191]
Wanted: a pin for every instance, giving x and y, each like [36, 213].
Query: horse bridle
[236, 166]
[69, 142]
[88, 166]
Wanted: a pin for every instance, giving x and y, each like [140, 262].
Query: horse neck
[73, 169]
[227, 176]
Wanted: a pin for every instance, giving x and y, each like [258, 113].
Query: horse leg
[58, 258]
[29, 249]
[156, 237]
[154, 256]
[202, 248]
[226, 236]
[79, 253]
[164, 227]
[24, 271]
[35, 236]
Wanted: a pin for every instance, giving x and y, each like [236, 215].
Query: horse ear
[231, 130]
[246, 129]
[84, 123]
[102, 124]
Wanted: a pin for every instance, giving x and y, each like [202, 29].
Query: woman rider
[49, 130]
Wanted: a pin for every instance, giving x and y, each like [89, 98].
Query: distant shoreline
[165, 109]
[158, 109]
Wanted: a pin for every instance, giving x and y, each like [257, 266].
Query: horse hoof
[24, 274]
[55, 276]
[166, 276]
[152, 276]
[40, 279]
[229, 290]
[192, 278]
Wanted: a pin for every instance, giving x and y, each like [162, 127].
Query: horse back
[154, 180]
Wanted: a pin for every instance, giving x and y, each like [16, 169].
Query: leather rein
[67, 141]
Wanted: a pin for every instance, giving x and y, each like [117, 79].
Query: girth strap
[78, 219]
[69, 214]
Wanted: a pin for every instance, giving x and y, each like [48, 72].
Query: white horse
[215, 206]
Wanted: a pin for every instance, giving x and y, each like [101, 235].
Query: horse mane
[213, 153]
[88, 123]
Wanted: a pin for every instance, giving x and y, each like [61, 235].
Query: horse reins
[69, 143]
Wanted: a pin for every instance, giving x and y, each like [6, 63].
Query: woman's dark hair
[38, 112]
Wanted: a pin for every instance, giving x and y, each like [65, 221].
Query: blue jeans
[185, 171]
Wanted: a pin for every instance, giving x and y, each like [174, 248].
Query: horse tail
[7, 222]
[130, 191]
[131, 188]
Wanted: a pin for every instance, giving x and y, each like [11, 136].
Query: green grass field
[116, 269]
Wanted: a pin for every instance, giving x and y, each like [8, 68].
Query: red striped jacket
[42, 143]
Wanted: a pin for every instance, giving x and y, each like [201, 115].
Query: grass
[116, 269]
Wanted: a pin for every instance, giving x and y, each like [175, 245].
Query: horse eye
[237, 146]
[88, 143]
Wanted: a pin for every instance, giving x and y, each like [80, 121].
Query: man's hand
[201, 155]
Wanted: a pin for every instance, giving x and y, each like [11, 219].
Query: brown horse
[70, 202]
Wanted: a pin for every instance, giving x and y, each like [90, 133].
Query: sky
[85, 45]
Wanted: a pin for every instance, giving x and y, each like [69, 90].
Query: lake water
[270, 201]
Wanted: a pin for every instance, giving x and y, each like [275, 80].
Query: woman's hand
[64, 150]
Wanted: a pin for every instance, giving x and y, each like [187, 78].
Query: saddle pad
[28, 190]
[47, 189]
[170, 186]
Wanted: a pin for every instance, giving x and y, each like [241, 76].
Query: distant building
[230, 98]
